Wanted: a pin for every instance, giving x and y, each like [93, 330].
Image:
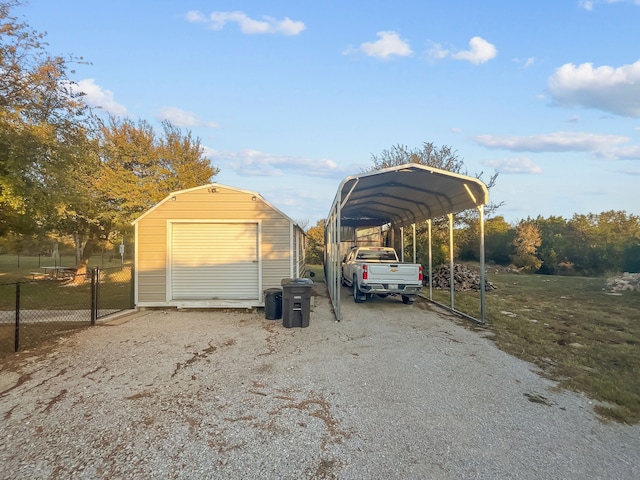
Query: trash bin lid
[296, 281]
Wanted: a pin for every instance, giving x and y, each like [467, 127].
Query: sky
[290, 97]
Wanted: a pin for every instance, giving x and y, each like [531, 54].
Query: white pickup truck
[377, 270]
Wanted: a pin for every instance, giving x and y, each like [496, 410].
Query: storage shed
[214, 246]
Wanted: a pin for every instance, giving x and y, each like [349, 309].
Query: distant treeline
[592, 244]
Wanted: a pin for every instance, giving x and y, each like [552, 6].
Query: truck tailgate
[393, 273]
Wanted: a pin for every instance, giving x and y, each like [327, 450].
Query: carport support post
[413, 228]
[451, 277]
[430, 262]
[482, 267]
[402, 244]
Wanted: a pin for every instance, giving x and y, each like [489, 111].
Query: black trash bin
[273, 303]
[296, 302]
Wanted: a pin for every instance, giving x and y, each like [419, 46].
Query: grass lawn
[16, 269]
[45, 296]
[573, 328]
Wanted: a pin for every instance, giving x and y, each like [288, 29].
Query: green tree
[41, 120]
[554, 251]
[599, 241]
[315, 244]
[498, 241]
[499, 236]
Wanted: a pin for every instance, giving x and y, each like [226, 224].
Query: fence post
[132, 288]
[94, 300]
[17, 334]
[97, 291]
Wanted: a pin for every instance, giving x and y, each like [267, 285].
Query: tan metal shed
[214, 246]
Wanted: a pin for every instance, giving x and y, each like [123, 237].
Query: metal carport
[400, 196]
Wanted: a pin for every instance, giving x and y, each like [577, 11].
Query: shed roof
[212, 187]
[406, 194]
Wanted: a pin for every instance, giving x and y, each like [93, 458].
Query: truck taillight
[420, 273]
[365, 272]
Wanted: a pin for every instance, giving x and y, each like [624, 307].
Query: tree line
[586, 244]
[589, 245]
[66, 170]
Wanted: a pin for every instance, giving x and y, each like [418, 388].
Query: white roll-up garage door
[214, 261]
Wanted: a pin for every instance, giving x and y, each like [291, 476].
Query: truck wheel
[407, 300]
[357, 296]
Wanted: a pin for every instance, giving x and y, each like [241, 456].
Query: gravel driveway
[392, 391]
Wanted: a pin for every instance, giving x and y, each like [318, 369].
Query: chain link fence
[60, 301]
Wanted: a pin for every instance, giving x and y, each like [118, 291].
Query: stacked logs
[464, 279]
[625, 282]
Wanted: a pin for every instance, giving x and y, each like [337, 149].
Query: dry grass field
[573, 328]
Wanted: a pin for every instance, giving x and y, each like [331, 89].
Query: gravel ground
[392, 391]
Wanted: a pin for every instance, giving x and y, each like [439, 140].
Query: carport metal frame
[402, 196]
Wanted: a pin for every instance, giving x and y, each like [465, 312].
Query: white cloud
[97, 97]
[218, 20]
[620, 153]
[252, 163]
[588, 4]
[552, 142]
[514, 166]
[437, 52]
[613, 90]
[481, 51]
[194, 16]
[525, 63]
[181, 118]
[389, 44]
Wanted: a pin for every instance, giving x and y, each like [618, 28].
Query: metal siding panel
[151, 260]
[276, 254]
[214, 261]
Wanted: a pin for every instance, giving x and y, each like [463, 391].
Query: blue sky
[289, 97]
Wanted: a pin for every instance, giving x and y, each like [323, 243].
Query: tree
[129, 170]
[599, 241]
[526, 242]
[315, 244]
[555, 245]
[41, 119]
[63, 170]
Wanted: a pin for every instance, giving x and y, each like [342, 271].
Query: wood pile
[465, 279]
[625, 282]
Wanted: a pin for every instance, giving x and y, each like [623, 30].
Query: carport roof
[406, 194]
